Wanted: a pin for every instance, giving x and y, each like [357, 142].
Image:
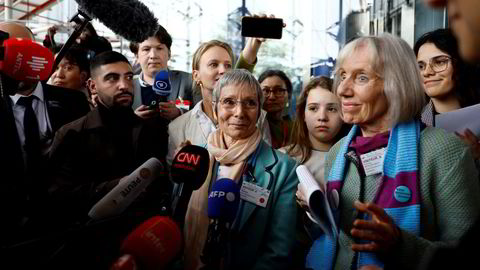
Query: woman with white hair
[263, 231]
[395, 186]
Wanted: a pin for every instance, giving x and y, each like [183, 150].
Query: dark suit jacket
[88, 157]
[181, 84]
[18, 195]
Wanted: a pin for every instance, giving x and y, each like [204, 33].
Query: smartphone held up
[262, 27]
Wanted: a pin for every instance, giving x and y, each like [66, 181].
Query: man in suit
[153, 54]
[30, 114]
[90, 155]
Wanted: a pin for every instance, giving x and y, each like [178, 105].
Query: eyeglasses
[277, 91]
[437, 63]
[230, 103]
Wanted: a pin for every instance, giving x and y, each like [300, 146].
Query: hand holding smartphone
[262, 27]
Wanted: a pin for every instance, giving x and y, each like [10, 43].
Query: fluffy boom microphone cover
[130, 19]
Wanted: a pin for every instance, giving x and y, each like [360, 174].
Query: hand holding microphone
[168, 110]
[162, 88]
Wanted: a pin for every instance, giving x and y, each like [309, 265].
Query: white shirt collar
[142, 82]
[38, 92]
[201, 116]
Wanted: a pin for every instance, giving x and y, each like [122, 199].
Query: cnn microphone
[127, 190]
[223, 202]
[189, 170]
[154, 244]
[25, 60]
[130, 19]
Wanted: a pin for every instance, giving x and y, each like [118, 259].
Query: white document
[320, 211]
[460, 119]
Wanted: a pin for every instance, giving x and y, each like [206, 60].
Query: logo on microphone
[161, 85]
[155, 241]
[130, 187]
[37, 63]
[217, 194]
[230, 196]
[18, 63]
[145, 173]
[188, 158]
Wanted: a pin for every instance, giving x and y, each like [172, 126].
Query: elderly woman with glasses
[449, 82]
[395, 186]
[263, 231]
[277, 89]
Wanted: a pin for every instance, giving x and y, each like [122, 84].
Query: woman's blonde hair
[202, 49]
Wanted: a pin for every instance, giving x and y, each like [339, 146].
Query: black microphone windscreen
[190, 166]
[130, 19]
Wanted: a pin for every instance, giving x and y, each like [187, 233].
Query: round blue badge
[402, 194]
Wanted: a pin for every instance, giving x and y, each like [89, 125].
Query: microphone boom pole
[81, 19]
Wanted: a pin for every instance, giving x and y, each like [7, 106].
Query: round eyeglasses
[276, 91]
[437, 63]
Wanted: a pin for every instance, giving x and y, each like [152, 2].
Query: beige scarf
[196, 219]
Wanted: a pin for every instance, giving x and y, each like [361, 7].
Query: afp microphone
[154, 244]
[25, 61]
[127, 190]
[223, 203]
[189, 170]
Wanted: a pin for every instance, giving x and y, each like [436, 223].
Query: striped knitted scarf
[398, 193]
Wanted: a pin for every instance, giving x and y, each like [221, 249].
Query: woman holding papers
[316, 128]
[395, 187]
[449, 82]
[262, 234]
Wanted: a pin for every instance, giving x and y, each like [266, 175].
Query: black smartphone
[262, 27]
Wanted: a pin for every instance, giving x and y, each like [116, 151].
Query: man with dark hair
[89, 157]
[73, 71]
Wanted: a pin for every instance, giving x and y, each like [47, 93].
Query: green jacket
[449, 191]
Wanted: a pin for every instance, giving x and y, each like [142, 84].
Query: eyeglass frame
[276, 91]
[429, 63]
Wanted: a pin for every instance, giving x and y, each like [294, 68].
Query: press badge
[254, 194]
[373, 161]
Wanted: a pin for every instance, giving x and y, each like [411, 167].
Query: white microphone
[127, 190]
